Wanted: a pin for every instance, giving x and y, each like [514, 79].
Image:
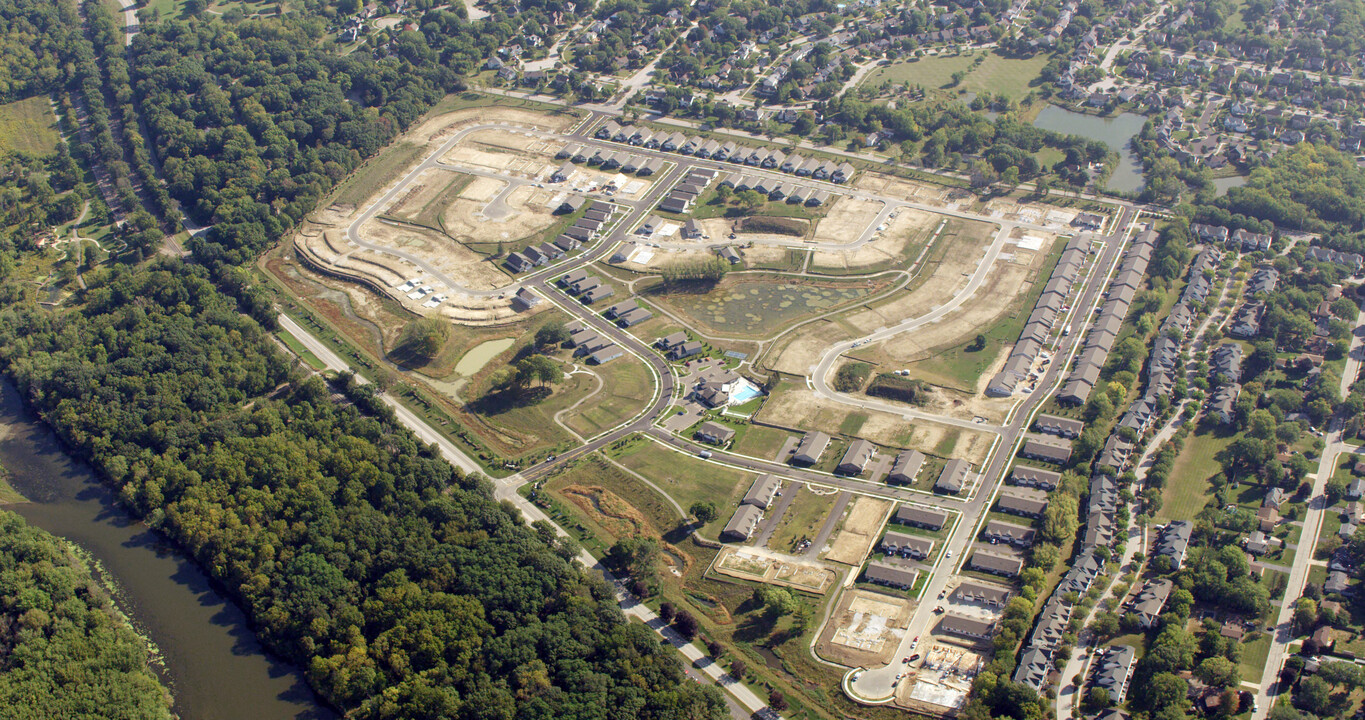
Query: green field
[28, 126]
[756, 305]
[803, 518]
[1254, 653]
[626, 386]
[429, 216]
[759, 441]
[689, 479]
[1187, 488]
[996, 74]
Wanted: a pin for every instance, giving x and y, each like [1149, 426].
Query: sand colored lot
[907, 227]
[796, 406]
[441, 127]
[959, 256]
[455, 260]
[861, 526]
[321, 238]
[719, 230]
[1029, 212]
[865, 629]
[520, 213]
[924, 193]
[765, 566]
[799, 351]
[846, 220]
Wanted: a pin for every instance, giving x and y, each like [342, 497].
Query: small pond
[1116, 131]
[474, 360]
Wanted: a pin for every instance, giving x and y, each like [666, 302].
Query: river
[1115, 131]
[216, 668]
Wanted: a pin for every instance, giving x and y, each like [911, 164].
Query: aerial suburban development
[688, 359]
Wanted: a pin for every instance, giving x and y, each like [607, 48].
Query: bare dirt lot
[865, 629]
[448, 256]
[796, 406]
[765, 566]
[846, 220]
[887, 247]
[861, 527]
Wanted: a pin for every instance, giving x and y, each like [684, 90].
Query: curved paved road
[822, 371]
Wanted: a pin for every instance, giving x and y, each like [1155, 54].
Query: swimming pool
[744, 392]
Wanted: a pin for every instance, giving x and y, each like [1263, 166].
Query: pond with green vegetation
[760, 306]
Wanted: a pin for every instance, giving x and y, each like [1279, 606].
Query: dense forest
[256, 121]
[401, 588]
[34, 46]
[65, 651]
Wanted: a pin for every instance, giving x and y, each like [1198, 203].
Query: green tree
[424, 338]
[704, 511]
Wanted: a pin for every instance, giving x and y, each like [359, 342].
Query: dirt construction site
[766, 566]
[799, 407]
[865, 629]
[453, 221]
[942, 679]
[862, 525]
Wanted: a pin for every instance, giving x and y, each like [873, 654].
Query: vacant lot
[689, 479]
[627, 387]
[860, 530]
[898, 242]
[995, 74]
[1187, 488]
[802, 520]
[947, 353]
[427, 198]
[846, 220]
[865, 630]
[28, 126]
[757, 305]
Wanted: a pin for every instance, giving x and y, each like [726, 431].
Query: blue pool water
[745, 393]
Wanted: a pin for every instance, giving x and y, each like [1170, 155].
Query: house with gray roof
[916, 516]
[906, 545]
[885, 573]
[997, 562]
[856, 457]
[998, 531]
[742, 524]
[954, 474]
[906, 467]
[811, 448]
[762, 491]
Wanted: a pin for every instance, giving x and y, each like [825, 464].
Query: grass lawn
[1135, 640]
[791, 262]
[996, 74]
[1254, 654]
[687, 479]
[1187, 488]
[297, 348]
[759, 441]
[28, 126]
[803, 518]
[1317, 574]
[627, 386]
